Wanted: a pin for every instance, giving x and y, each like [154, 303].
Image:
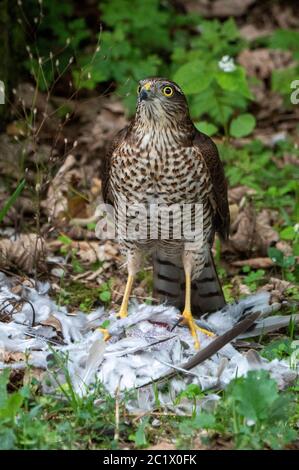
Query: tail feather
[169, 285]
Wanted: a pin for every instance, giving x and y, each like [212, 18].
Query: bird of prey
[161, 158]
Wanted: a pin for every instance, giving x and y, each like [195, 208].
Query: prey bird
[161, 158]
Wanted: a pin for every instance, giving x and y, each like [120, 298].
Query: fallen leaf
[254, 263]
[25, 252]
[54, 322]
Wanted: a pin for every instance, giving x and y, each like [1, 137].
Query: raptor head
[161, 99]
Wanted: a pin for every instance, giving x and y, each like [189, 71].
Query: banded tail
[169, 286]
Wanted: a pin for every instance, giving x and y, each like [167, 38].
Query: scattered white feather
[142, 346]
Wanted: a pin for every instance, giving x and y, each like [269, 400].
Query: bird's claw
[189, 320]
[123, 313]
[105, 332]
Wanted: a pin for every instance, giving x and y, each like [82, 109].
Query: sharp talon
[204, 331]
[122, 314]
[176, 324]
[188, 319]
[106, 333]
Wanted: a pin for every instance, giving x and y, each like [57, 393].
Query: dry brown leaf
[235, 195]
[24, 253]
[261, 62]
[284, 247]
[218, 8]
[56, 204]
[250, 32]
[254, 263]
[277, 288]
[251, 233]
[265, 234]
[54, 322]
[9, 356]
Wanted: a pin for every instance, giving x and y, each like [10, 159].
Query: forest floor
[48, 234]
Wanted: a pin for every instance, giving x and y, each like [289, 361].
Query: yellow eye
[138, 89]
[167, 91]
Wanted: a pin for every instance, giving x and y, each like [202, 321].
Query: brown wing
[214, 165]
[118, 138]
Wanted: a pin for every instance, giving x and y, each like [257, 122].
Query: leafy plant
[286, 263]
[279, 349]
[217, 87]
[135, 38]
[11, 200]
[83, 296]
[253, 278]
[252, 412]
[281, 79]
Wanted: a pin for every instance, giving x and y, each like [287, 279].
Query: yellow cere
[147, 86]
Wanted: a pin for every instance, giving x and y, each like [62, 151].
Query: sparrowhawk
[161, 159]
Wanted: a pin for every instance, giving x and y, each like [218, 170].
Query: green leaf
[243, 125]
[285, 39]
[206, 127]
[281, 80]
[105, 296]
[276, 255]
[4, 378]
[13, 404]
[65, 239]
[11, 200]
[204, 421]
[253, 395]
[288, 233]
[193, 77]
[234, 81]
[140, 437]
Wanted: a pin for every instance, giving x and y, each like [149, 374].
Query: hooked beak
[145, 92]
[143, 95]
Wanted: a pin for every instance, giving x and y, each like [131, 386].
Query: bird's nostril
[143, 95]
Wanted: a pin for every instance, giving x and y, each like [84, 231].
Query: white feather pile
[142, 347]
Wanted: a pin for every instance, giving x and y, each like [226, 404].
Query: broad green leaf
[243, 125]
[234, 81]
[105, 296]
[253, 395]
[193, 77]
[4, 377]
[11, 200]
[206, 127]
[288, 233]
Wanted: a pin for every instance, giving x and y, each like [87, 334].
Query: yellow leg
[124, 305]
[105, 333]
[188, 318]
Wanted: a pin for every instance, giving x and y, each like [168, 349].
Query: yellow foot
[106, 333]
[189, 320]
[123, 313]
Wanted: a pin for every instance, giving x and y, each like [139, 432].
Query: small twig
[116, 432]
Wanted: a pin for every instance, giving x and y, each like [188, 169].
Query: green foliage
[285, 39]
[135, 38]
[139, 437]
[253, 278]
[278, 349]
[59, 34]
[30, 421]
[256, 166]
[252, 412]
[281, 79]
[85, 297]
[243, 125]
[288, 264]
[11, 200]
[217, 87]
